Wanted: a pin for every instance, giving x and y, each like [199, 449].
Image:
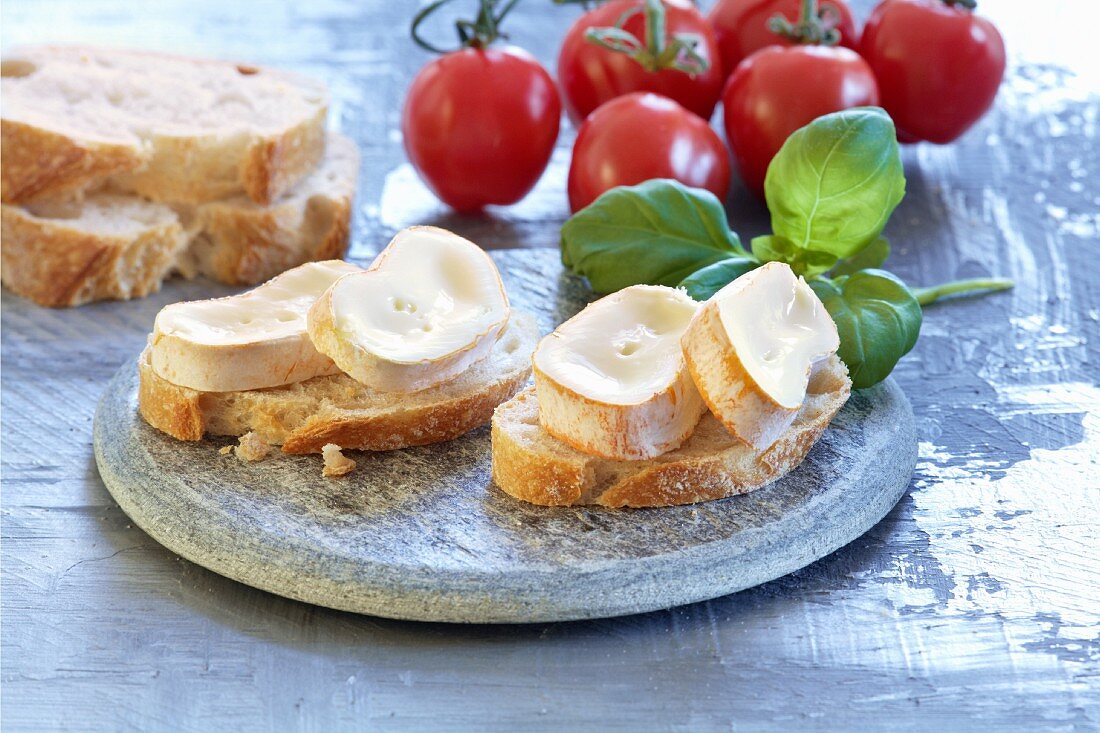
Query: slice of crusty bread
[240, 242]
[114, 246]
[305, 416]
[166, 127]
[111, 247]
[531, 465]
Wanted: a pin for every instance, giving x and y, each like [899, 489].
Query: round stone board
[423, 533]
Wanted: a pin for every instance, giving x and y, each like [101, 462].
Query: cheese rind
[431, 305]
[612, 382]
[249, 341]
[752, 348]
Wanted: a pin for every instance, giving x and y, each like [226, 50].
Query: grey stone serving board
[423, 534]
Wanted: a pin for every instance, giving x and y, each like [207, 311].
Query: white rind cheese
[249, 341]
[431, 305]
[612, 382]
[752, 348]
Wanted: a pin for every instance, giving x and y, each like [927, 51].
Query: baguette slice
[119, 247]
[531, 465]
[112, 248]
[168, 128]
[305, 416]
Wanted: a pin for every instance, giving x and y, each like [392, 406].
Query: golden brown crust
[306, 416]
[56, 265]
[273, 165]
[252, 246]
[171, 409]
[38, 163]
[404, 428]
[531, 465]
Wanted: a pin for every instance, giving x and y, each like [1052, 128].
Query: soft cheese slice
[249, 341]
[751, 349]
[431, 305]
[611, 381]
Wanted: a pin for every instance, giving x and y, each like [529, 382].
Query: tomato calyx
[815, 25]
[478, 33]
[658, 51]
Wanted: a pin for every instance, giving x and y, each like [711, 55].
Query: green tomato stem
[934, 293]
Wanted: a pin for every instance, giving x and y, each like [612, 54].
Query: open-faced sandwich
[648, 398]
[418, 348]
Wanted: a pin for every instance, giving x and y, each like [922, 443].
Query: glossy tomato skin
[480, 125]
[741, 26]
[778, 90]
[591, 75]
[640, 136]
[938, 67]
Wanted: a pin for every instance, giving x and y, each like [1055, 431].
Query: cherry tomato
[480, 125]
[778, 90]
[641, 136]
[591, 75]
[741, 26]
[938, 66]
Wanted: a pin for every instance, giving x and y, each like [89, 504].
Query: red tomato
[480, 125]
[591, 75]
[741, 26]
[778, 90]
[641, 136]
[938, 66]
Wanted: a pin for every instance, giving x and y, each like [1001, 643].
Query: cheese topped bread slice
[253, 340]
[752, 348]
[611, 381]
[429, 306]
[168, 128]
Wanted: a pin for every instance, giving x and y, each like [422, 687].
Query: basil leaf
[804, 262]
[873, 255]
[878, 320]
[703, 284]
[657, 232]
[835, 182]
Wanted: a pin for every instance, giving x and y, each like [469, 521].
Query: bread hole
[246, 321]
[16, 68]
[287, 316]
[629, 348]
[245, 70]
[400, 305]
[510, 346]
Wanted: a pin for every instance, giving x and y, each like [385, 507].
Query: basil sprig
[831, 189]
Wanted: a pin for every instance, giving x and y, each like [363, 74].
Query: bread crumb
[252, 447]
[336, 463]
[224, 450]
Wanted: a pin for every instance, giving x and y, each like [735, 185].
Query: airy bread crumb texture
[251, 448]
[336, 463]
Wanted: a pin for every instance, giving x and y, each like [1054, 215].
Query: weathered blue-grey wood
[973, 606]
[423, 534]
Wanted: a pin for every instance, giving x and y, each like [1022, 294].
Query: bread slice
[115, 246]
[240, 242]
[531, 465]
[168, 128]
[112, 247]
[305, 416]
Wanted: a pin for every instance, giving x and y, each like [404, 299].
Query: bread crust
[273, 414]
[56, 265]
[531, 465]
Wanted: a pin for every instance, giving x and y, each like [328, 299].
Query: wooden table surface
[974, 606]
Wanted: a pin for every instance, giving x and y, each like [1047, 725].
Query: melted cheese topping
[429, 295]
[622, 349]
[275, 310]
[779, 329]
